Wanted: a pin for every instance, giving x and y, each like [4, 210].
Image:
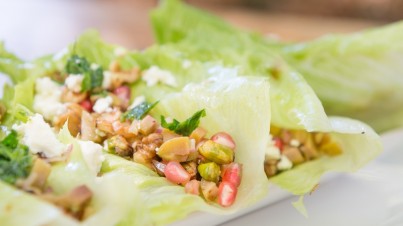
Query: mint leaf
[186, 127]
[92, 77]
[15, 159]
[139, 111]
[77, 65]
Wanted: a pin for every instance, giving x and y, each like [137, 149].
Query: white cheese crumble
[272, 152]
[284, 163]
[94, 66]
[107, 81]
[74, 82]
[92, 154]
[154, 75]
[40, 138]
[103, 105]
[47, 98]
[295, 143]
[137, 101]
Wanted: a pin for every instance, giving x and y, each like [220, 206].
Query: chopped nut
[216, 152]
[119, 145]
[309, 149]
[191, 168]
[293, 154]
[176, 149]
[69, 96]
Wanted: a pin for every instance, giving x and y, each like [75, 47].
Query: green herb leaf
[186, 127]
[77, 65]
[139, 111]
[15, 159]
[92, 77]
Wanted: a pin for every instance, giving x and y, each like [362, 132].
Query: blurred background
[34, 28]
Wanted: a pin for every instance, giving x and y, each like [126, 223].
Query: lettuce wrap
[193, 34]
[235, 101]
[365, 66]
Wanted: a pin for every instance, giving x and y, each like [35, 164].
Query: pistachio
[209, 190]
[176, 149]
[209, 171]
[216, 152]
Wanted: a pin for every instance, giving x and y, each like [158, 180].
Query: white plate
[372, 196]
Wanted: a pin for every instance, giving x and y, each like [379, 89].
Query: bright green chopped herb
[139, 111]
[93, 77]
[15, 159]
[186, 127]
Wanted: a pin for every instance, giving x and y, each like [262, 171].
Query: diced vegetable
[209, 190]
[193, 187]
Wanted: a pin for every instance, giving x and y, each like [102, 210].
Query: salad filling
[97, 108]
[28, 170]
[290, 148]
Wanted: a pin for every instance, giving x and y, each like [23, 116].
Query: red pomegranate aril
[224, 139]
[278, 143]
[175, 173]
[193, 187]
[226, 194]
[87, 105]
[232, 173]
[123, 92]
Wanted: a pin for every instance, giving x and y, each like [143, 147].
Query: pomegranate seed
[123, 92]
[224, 139]
[175, 173]
[226, 194]
[192, 187]
[232, 174]
[278, 143]
[87, 105]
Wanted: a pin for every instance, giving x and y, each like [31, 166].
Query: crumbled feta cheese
[107, 81]
[92, 154]
[272, 152]
[94, 66]
[137, 101]
[103, 105]
[40, 138]
[47, 100]
[295, 143]
[154, 75]
[284, 163]
[74, 82]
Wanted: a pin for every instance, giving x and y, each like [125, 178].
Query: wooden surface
[34, 28]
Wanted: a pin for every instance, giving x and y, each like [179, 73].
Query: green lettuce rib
[357, 75]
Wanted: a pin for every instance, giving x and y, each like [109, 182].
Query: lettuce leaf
[245, 117]
[246, 53]
[200, 36]
[356, 75]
